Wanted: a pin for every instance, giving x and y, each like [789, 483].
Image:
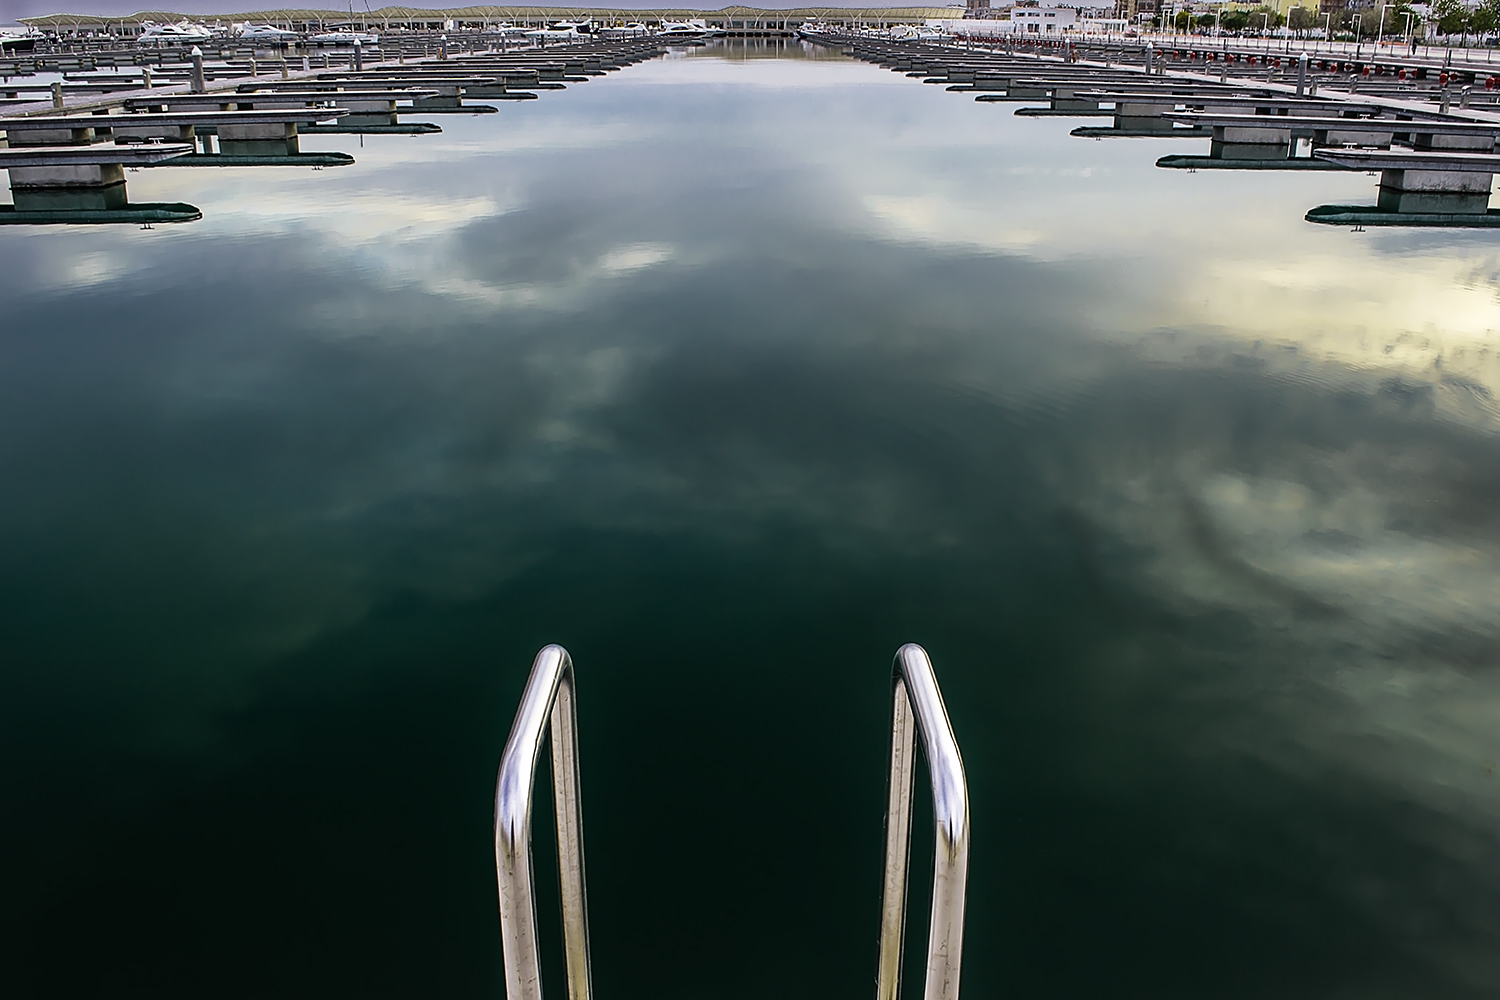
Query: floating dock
[68, 153]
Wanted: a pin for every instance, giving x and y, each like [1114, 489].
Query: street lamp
[1406, 32]
[1380, 32]
[1328, 29]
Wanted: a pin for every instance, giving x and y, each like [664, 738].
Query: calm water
[732, 375]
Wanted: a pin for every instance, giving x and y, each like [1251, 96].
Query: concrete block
[1249, 150]
[1140, 109]
[1375, 140]
[1149, 123]
[67, 175]
[259, 131]
[1255, 136]
[1426, 191]
[370, 119]
[177, 133]
[51, 136]
[368, 107]
[259, 147]
[1472, 143]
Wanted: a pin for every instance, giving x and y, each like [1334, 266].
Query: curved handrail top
[513, 786]
[950, 793]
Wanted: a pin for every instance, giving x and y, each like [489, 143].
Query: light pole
[1406, 33]
[1380, 33]
[1328, 29]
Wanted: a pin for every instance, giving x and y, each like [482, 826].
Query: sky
[12, 9]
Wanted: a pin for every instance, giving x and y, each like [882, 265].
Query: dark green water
[732, 375]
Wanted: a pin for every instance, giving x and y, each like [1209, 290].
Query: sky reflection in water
[731, 375]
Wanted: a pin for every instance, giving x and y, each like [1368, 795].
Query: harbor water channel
[731, 372]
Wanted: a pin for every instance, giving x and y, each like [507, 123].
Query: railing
[550, 702]
[918, 706]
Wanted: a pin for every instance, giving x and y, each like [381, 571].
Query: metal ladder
[550, 703]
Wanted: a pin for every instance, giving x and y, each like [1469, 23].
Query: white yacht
[184, 32]
[266, 33]
[914, 32]
[635, 29]
[556, 33]
[21, 39]
[681, 29]
[345, 36]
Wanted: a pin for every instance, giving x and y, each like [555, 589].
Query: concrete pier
[1426, 183]
[64, 168]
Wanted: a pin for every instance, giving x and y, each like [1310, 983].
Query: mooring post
[306, 63]
[1301, 74]
[359, 56]
[198, 84]
[1148, 58]
[146, 77]
[57, 100]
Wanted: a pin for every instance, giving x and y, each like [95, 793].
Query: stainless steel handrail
[548, 703]
[916, 694]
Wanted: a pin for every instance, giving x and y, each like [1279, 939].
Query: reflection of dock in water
[67, 156]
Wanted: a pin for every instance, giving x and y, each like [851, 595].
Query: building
[1043, 20]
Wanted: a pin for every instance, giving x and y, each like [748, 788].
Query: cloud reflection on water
[1247, 462]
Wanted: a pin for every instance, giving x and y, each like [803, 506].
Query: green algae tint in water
[731, 374]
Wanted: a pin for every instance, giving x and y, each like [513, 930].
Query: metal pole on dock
[1302, 74]
[198, 84]
[359, 56]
